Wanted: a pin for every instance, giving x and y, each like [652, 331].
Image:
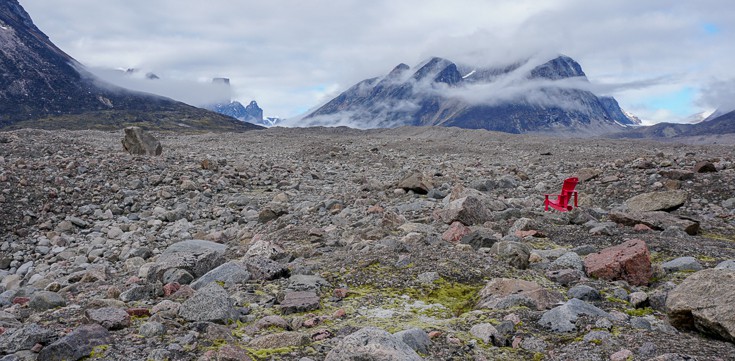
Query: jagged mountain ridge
[251, 113]
[517, 98]
[722, 124]
[41, 85]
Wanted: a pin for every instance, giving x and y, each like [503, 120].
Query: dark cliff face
[440, 92]
[251, 113]
[39, 81]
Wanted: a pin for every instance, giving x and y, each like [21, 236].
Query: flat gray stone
[295, 302]
[307, 283]
[111, 318]
[584, 293]
[415, 338]
[228, 274]
[14, 340]
[562, 318]
[657, 201]
[45, 300]
[372, 343]
[210, 304]
[195, 256]
[682, 264]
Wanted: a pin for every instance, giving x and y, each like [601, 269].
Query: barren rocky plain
[340, 244]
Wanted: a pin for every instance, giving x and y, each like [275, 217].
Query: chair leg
[546, 203]
[575, 199]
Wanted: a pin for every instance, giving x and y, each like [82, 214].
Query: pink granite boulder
[629, 261]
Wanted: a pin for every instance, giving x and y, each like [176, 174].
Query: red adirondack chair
[562, 199]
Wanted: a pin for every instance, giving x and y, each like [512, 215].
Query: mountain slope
[519, 98]
[42, 86]
[723, 124]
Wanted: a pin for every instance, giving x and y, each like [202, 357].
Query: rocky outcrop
[372, 343]
[705, 301]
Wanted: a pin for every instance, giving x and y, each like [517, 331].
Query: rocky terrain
[338, 244]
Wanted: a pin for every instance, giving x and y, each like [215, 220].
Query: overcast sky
[662, 60]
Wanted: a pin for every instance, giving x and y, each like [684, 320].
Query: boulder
[194, 256]
[45, 300]
[657, 201]
[629, 261]
[658, 220]
[110, 318]
[682, 264]
[456, 232]
[704, 167]
[14, 340]
[76, 345]
[515, 253]
[299, 301]
[415, 338]
[228, 273]
[210, 304]
[139, 142]
[705, 301]
[468, 210]
[497, 291]
[416, 182]
[372, 343]
[563, 318]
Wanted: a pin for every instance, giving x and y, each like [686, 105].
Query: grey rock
[14, 340]
[111, 318]
[565, 277]
[597, 336]
[228, 273]
[468, 211]
[480, 238]
[76, 345]
[638, 299]
[682, 264]
[45, 300]
[729, 264]
[262, 268]
[151, 329]
[415, 338]
[295, 302]
[515, 254]
[372, 343]
[657, 220]
[657, 201]
[562, 318]
[428, 277]
[194, 256]
[139, 142]
[416, 182]
[210, 304]
[485, 332]
[705, 301]
[142, 292]
[569, 260]
[177, 275]
[8, 320]
[307, 283]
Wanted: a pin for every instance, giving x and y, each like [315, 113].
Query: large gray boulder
[139, 142]
[76, 345]
[657, 201]
[371, 343]
[705, 301]
[658, 220]
[515, 254]
[210, 304]
[194, 256]
[501, 293]
[14, 340]
[228, 273]
[562, 318]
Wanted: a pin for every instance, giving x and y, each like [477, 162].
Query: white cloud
[287, 54]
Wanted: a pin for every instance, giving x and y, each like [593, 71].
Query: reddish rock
[455, 232]
[138, 312]
[170, 288]
[629, 261]
[21, 301]
[321, 335]
[640, 227]
[529, 233]
[435, 334]
[232, 353]
[340, 292]
[339, 313]
[375, 209]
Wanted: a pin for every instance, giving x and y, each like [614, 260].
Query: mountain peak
[560, 67]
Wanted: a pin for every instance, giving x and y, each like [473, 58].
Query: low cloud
[196, 93]
[719, 94]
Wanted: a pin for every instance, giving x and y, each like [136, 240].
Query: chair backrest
[569, 185]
